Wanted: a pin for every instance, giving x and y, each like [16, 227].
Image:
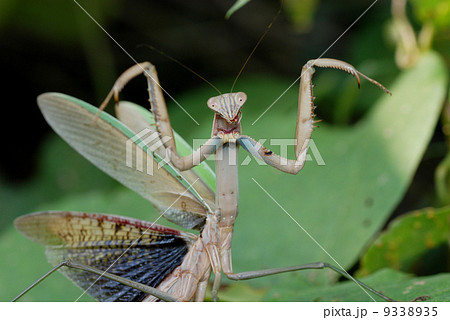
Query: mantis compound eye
[241, 97]
[212, 103]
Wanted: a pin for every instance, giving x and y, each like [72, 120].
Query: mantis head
[228, 106]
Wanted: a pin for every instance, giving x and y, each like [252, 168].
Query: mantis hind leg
[71, 264]
[318, 265]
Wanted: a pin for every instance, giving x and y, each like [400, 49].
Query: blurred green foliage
[381, 152]
[436, 12]
[407, 242]
[301, 13]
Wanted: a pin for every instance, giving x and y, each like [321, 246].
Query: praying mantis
[122, 259]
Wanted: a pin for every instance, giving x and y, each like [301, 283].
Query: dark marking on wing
[146, 263]
[137, 250]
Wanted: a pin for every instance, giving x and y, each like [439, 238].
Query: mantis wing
[137, 250]
[139, 119]
[114, 148]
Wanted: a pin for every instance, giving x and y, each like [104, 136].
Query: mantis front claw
[344, 66]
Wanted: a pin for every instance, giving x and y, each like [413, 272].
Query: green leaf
[435, 11]
[239, 291]
[407, 240]
[301, 13]
[395, 284]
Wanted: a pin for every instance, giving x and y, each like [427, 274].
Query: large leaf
[407, 240]
[396, 284]
[342, 204]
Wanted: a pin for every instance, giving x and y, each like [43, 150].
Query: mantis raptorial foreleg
[133, 284]
[271, 158]
[162, 120]
[199, 155]
[164, 126]
[305, 118]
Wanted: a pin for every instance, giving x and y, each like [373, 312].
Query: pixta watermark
[145, 151]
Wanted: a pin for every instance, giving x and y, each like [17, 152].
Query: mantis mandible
[180, 263]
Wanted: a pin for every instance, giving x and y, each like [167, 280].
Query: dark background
[40, 52]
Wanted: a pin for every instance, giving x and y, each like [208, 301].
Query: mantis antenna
[257, 44]
[181, 64]
[242, 68]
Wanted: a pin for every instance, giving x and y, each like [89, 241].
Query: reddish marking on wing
[133, 222]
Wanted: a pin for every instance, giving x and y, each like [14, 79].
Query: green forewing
[138, 118]
[183, 197]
